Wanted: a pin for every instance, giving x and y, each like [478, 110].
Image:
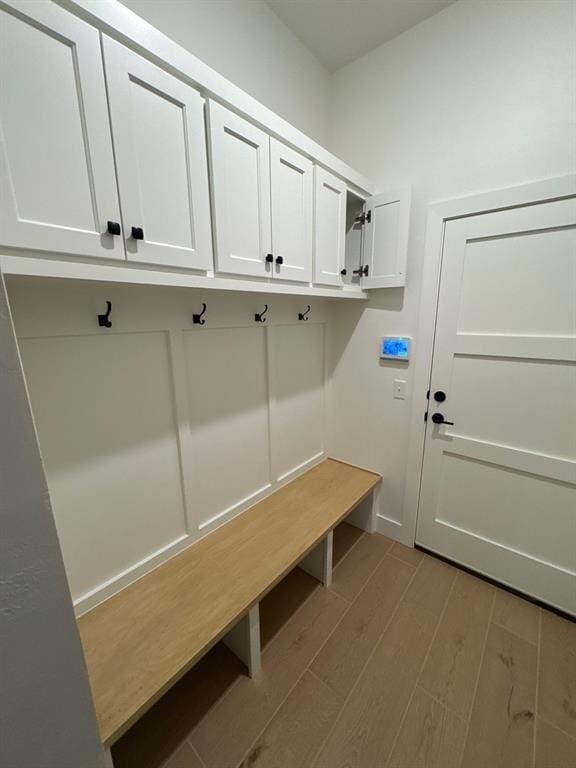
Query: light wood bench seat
[139, 642]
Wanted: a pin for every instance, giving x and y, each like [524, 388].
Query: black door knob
[269, 258]
[137, 233]
[439, 396]
[343, 271]
[279, 260]
[113, 228]
[438, 418]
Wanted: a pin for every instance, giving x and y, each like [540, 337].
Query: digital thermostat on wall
[395, 348]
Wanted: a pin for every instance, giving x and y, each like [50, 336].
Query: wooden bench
[139, 642]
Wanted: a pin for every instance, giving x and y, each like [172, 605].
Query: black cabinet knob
[113, 228]
[279, 260]
[343, 271]
[439, 396]
[269, 258]
[362, 272]
[438, 418]
[137, 233]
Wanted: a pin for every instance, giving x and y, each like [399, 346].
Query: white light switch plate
[399, 389]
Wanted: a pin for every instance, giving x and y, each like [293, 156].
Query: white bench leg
[364, 516]
[244, 640]
[108, 762]
[318, 562]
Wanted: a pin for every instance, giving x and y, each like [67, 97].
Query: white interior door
[240, 164]
[498, 487]
[57, 180]
[292, 184]
[386, 239]
[160, 145]
[330, 230]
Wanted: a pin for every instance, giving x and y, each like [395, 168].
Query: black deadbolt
[439, 396]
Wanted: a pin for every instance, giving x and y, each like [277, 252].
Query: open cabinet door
[386, 220]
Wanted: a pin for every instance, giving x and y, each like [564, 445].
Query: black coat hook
[304, 315]
[197, 319]
[259, 316]
[104, 320]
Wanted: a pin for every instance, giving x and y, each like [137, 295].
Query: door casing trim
[532, 193]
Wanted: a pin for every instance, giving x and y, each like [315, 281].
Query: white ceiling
[339, 31]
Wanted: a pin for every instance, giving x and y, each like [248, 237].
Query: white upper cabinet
[104, 154]
[240, 163]
[330, 220]
[386, 222]
[292, 184]
[57, 182]
[160, 146]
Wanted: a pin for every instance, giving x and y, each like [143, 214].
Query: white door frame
[438, 214]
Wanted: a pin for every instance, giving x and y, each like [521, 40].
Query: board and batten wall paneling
[298, 384]
[156, 431]
[104, 411]
[229, 420]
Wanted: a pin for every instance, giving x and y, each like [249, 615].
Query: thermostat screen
[395, 347]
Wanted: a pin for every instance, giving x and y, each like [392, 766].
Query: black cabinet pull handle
[269, 258]
[279, 260]
[343, 271]
[137, 233]
[362, 272]
[438, 418]
[113, 228]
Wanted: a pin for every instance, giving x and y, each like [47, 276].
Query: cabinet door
[386, 239]
[160, 145]
[329, 251]
[240, 163]
[292, 212]
[57, 181]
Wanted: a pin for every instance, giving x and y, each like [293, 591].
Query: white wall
[246, 42]
[477, 97]
[46, 713]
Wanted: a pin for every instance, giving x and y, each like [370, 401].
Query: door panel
[386, 239]
[491, 279]
[159, 138]
[292, 184]
[57, 178]
[240, 161]
[500, 416]
[521, 501]
[330, 219]
[499, 486]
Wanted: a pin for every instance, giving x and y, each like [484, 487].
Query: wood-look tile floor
[405, 662]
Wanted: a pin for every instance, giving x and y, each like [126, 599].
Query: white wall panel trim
[52, 311]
